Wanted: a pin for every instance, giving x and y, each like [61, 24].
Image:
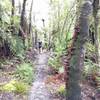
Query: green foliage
[15, 42]
[98, 80]
[90, 50]
[15, 86]
[9, 86]
[21, 87]
[25, 72]
[16, 45]
[5, 7]
[62, 90]
[59, 48]
[89, 68]
[61, 69]
[55, 63]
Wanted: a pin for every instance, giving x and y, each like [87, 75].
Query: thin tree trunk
[30, 18]
[36, 36]
[19, 7]
[22, 19]
[97, 27]
[12, 16]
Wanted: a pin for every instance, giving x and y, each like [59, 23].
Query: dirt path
[38, 90]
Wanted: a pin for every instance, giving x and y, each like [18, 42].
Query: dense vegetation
[71, 36]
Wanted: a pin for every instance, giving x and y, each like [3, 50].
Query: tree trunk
[36, 36]
[30, 18]
[77, 52]
[96, 15]
[21, 30]
[19, 7]
[12, 16]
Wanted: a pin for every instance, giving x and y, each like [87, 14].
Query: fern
[25, 72]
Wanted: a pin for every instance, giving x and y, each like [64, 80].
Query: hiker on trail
[40, 46]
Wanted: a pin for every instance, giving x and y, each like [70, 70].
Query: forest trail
[38, 90]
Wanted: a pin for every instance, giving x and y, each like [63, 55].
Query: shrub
[61, 90]
[9, 87]
[21, 87]
[55, 63]
[90, 68]
[16, 45]
[15, 86]
[24, 72]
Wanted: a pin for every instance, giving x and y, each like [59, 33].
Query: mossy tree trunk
[77, 52]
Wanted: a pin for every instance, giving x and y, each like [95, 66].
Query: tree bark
[21, 29]
[36, 37]
[12, 16]
[77, 52]
[19, 7]
[30, 17]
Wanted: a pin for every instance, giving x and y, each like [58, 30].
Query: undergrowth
[24, 72]
[62, 91]
[15, 86]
